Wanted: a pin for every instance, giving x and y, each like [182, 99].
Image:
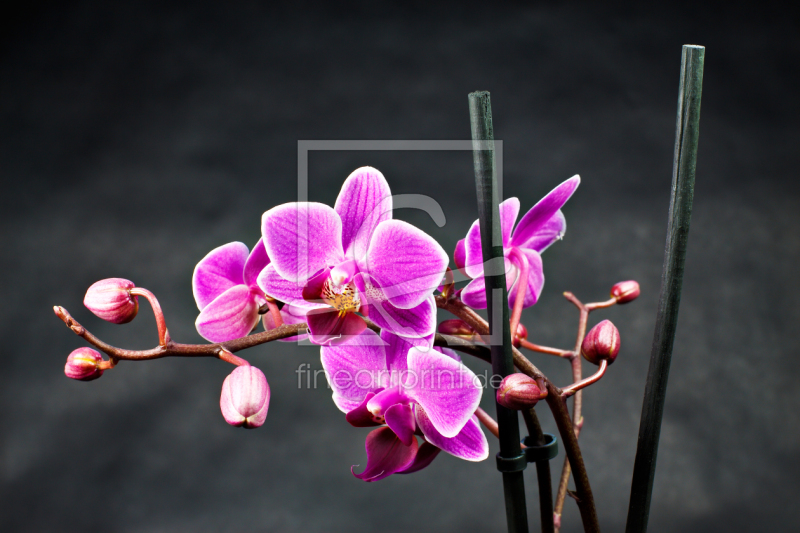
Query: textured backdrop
[135, 139]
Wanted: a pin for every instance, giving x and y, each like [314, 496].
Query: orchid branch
[174, 349]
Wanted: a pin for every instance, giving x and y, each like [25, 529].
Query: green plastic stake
[685, 159]
[510, 461]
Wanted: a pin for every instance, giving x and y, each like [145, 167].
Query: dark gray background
[136, 139]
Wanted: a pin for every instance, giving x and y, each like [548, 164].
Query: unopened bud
[111, 300]
[625, 291]
[245, 397]
[602, 342]
[455, 327]
[518, 391]
[83, 364]
[522, 333]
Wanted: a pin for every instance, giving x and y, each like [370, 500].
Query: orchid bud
[83, 364]
[111, 300]
[522, 333]
[518, 391]
[625, 291]
[455, 327]
[602, 342]
[245, 397]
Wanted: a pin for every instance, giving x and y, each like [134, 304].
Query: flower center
[344, 298]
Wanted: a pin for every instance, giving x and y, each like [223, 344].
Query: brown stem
[465, 313]
[578, 385]
[173, 349]
[488, 422]
[275, 312]
[543, 349]
[163, 335]
[585, 498]
[522, 288]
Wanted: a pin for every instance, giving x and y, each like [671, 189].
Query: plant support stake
[510, 461]
[683, 169]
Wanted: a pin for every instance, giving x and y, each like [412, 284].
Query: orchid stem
[228, 357]
[173, 349]
[578, 385]
[488, 422]
[163, 336]
[275, 312]
[522, 289]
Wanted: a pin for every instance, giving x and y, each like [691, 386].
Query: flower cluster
[361, 285]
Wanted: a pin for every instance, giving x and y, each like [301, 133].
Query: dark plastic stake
[686, 136]
[510, 461]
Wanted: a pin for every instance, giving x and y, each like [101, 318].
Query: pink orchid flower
[414, 390]
[538, 229]
[352, 258]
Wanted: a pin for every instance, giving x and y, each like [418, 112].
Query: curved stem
[173, 349]
[488, 422]
[577, 386]
[543, 349]
[585, 498]
[465, 313]
[522, 289]
[275, 312]
[163, 336]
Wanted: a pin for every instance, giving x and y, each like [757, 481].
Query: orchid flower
[538, 229]
[226, 292]
[401, 382]
[352, 258]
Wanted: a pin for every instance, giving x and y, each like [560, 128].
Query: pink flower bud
[245, 397]
[111, 300]
[82, 364]
[602, 342]
[518, 391]
[625, 291]
[455, 327]
[522, 333]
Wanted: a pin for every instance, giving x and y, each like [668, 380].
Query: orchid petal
[256, 262]
[218, 271]
[328, 326]
[344, 404]
[285, 291]
[448, 352]
[474, 294]
[539, 215]
[301, 238]
[233, 314]
[446, 389]
[289, 315]
[386, 454]
[460, 256]
[509, 210]
[551, 231]
[535, 280]
[425, 455]
[386, 398]
[361, 417]
[400, 418]
[470, 443]
[397, 348]
[364, 202]
[407, 262]
[473, 253]
[357, 368]
[417, 322]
